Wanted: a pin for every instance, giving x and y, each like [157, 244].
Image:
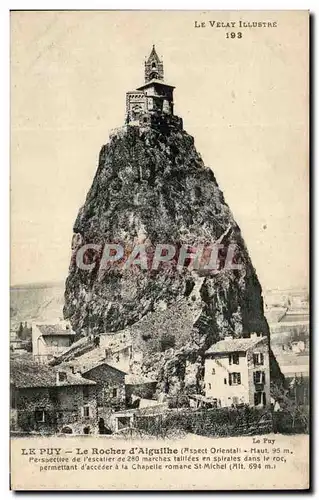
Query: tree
[299, 414]
[20, 331]
[28, 346]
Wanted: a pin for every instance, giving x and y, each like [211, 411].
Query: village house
[109, 380]
[117, 390]
[97, 364]
[139, 389]
[119, 395]
[51, 400]
[50, 340]
[117, 349]
[106, 359]
[237, 372]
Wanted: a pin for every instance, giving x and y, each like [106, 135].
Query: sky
[244, 100]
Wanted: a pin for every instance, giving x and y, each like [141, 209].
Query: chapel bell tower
[154, 69]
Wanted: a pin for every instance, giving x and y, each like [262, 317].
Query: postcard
[159, 334]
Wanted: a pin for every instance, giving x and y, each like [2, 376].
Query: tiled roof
[119, 366]
[114, 366]
[54, 330]
[85, 345]
[29, 374]
[79, 347]
[86, 361]
[234, 345]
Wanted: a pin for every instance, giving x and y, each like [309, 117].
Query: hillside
[36, 302]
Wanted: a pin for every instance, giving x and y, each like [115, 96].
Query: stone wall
[110, 386]
[61, 406]
[136, 104]
[264, 349]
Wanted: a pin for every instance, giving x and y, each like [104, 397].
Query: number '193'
[234, 35]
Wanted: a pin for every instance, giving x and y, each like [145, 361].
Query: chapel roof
[153, 55]
[154, 81]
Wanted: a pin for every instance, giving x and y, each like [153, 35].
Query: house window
[234, 378]
[213, 371]
[259, 377]
[114, 393]
[209, 385]
[86, 411]
[233, 359]
[62, 376]
[39, 416]
[258, 359]
[225, 381]
[260, 398]
[86, 391]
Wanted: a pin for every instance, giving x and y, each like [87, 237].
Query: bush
[210, 422]
[297, 422]
[178, 401]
